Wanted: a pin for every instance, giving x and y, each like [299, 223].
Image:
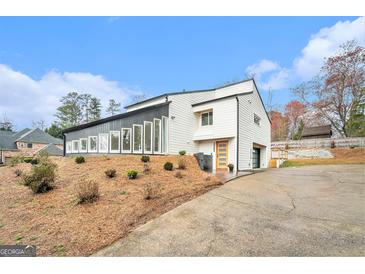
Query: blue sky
[122, 56]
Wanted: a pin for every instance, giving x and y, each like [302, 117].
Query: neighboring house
[229, 123]
[317, 132]
[28, 142]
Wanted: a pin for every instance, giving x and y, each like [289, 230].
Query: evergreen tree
[54, 130]
[113, 107]
[94, 109]
[70, 112]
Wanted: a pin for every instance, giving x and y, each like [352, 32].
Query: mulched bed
[59, 226]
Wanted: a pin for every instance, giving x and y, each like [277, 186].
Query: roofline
[221, 98]
[187, 92]
[115, 117]
[25, 134]
[262, 102]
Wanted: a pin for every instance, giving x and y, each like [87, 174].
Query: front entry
[256, 158]
[222, 154]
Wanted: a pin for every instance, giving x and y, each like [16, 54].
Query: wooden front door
[222, 154]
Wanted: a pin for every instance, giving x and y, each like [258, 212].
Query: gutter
[238, 124]
[64, 144]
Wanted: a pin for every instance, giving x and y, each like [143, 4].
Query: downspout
[64, 144]
[237, 135]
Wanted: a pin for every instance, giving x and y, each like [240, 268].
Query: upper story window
[207, 118]
[256, 119]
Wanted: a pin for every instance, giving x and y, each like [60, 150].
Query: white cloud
[325, 43]
[25, 99]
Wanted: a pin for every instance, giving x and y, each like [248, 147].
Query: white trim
[140, 150]
[80, 148]
[159, 145]
[89, 146]
[144, 137]
[130, 140]
[69, 147]
[166, 133]
[107, 145]
[110, 141]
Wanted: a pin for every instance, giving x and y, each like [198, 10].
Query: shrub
[178, 174]
[15, 160]
[230, 166]
[182, 152]
[17, 172]
[151, 190]
[168, 166]
[34, 161]
[208, 178]
[286, 164]
[87, 191]
[132, 174]
[27, 159]
[145, 158]
[333, 144]
[41, 178]
[181, 163]
[146, 169]
[80, 159]
[110, 172]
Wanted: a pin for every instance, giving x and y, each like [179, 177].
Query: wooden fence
[319, 143]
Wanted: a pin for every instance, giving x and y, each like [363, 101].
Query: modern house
[28, 142]
[228, 123]
[317, 132]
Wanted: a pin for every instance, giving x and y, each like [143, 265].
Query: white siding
[156, 101]
[246, 86]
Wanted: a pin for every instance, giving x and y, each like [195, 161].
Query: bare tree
[338, 85]
[41, 124]
[6, 124]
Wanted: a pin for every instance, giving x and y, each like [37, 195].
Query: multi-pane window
[137, 138]
[103, 142]
[75, 146]
[147, 137]
[207, 118]
[92, 144]
[68, 147]
[83, 145]
[256, 119]
[164, 134]
[157, 135]
[126, 140]
[115, 141]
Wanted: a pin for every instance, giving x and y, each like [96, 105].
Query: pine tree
[94, 109]
[113, 107]
[70, 112]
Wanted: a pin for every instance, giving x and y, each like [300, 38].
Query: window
[164, 134]
[92, 144]
[68, 147]
[137, 138]
[157, 135]
[207, 118]
[147, 137]
[75, 146]
[115, 141]
[29, 145]
[256, 119]
[126, 140]
[83, 144]
[103, 142]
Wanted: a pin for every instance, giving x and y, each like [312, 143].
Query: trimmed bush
[145, 158]
[18, 172]
[151, 190]
[132, 174]
[80, 159]
[178, 174]
[87, 191]
[34, 161]
[27, 159]
[168, 166]
[146, 169]
[230, 166]
[181, 163]
[110, 173]
[42, 177]
[182, 152]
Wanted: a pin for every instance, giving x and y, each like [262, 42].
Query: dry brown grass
[58, 225]
[341, 156]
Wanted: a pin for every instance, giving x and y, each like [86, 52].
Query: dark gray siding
[126, 122]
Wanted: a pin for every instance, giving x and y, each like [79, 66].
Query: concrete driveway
[308, 211]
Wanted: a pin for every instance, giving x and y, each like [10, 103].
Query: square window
[207, 118]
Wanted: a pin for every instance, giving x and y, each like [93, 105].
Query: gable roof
[7, 140]
[52, 150]
[187, 92]
[20, 133]
[319, 130]
[38, 136]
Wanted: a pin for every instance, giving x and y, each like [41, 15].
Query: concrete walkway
[308, 211]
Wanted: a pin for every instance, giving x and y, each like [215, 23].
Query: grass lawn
[59, 226]
[341, 156]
